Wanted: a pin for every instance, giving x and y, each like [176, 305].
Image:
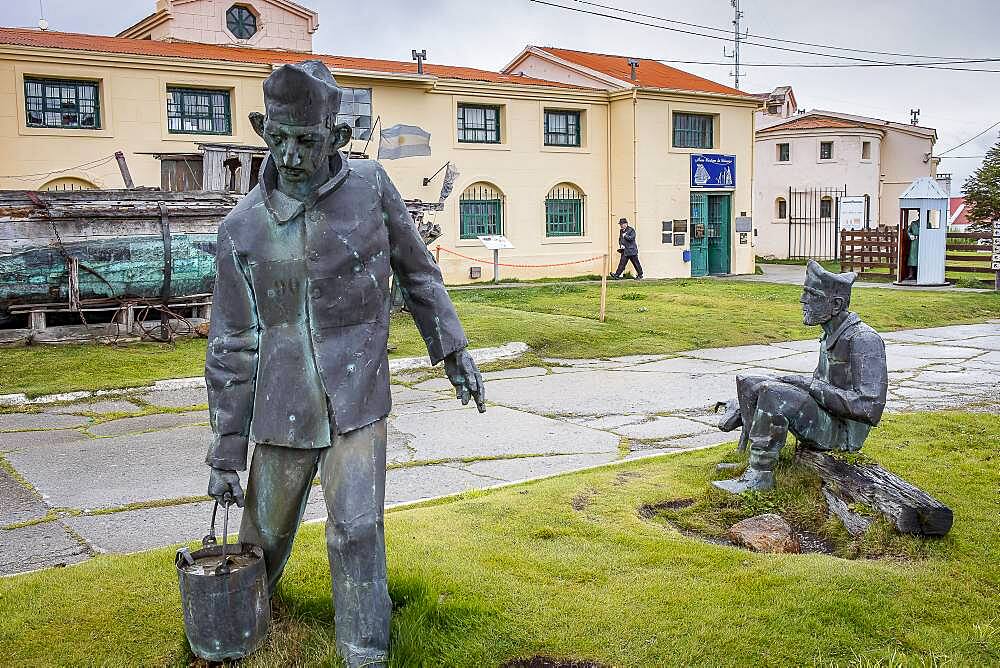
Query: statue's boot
[751, 480]
[731, 418]
[764, 450]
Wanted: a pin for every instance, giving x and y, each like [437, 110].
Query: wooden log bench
[909, 508]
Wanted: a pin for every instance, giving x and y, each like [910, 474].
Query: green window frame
[241, 21]
[693, 130]
[198, 111]
[479, 124]
[562, 128]
[480, 216]
[563, 217]
[62, 103]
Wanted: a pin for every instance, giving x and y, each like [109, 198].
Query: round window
[241, 22]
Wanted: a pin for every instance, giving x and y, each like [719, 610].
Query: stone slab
[178, 398]
[402, 394]
[804, 362]
[438, 405]
[499, 431]
[110, 472]
[686, 365]
[524, 372]
[39, 546]
[27, 440]
[102, 406]
[980, 342]
[607, 422]
[929, 352]
[30, 421]
[662, 427]
[511, 470]
[424, 482]
[740, 354]
[146, 423]
[17, 502]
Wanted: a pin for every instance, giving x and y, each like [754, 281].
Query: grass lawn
[567, 567]
[555, 320]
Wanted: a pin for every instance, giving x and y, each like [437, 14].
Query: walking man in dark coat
[296, 356]
[629, 250]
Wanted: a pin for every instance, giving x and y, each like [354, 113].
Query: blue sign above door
[713, 171]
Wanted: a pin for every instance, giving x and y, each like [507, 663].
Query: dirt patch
[550, 662]
[648, 511]
[624, 477]
[582, 500]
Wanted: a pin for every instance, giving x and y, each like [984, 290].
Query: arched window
[480, 210]
[826, 207]
[68, 183]
[564, 211]
[780, 208]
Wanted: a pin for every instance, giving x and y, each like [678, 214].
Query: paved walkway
[101, 476]
[794, 274]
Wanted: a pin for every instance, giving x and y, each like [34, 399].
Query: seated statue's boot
[731, 418]
[751, 480]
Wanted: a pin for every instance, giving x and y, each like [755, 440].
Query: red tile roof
[649, 74]
[813, 123]
[198, 51]
[957, 204]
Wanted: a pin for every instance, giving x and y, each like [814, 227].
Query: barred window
[478, 124]
[49, 103]
[480, 211]
[356, 111]
[693, 131]
[562, 128]
[826, 207]
[564, 211]
[781, 208]
[198, 111]
[826, 150]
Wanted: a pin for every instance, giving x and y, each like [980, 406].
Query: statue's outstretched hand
[464, 375]
[224, 487]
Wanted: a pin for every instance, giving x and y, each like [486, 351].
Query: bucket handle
[210, 539]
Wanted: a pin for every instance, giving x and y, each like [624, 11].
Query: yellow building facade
[551, 157]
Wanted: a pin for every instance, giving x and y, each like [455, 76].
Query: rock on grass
[765, 533]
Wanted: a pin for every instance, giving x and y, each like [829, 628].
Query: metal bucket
[224, 596]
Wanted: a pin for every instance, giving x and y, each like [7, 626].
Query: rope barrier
[522, 266]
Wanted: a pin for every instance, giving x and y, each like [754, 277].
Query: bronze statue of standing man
[297, 349]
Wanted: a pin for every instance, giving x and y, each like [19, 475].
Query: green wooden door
[719, 237]
[698, 234]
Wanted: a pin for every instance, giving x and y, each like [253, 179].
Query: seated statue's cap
[301, 94]
[827, 282]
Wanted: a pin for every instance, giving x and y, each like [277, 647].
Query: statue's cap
[301, 94]
[828, 282]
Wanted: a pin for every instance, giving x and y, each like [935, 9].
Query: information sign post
[995, 260]
[495, 242]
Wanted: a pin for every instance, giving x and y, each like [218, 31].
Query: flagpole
[378, 119]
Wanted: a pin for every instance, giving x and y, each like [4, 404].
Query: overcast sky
[488, 34]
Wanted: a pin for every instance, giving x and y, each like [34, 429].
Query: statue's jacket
[850, 382]
[300, 312]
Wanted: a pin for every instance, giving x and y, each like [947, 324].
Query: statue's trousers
[352, 475]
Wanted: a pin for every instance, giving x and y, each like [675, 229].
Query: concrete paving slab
[911, 336]
[103, 406]
[435, 385]
[178, 398]
[662, 427]
[424, 482]
[568, 369]
[499, 431]
[929, 352]
[707, 439]
[436, 406]
[617, 391]
[109, 472]
[584, 363]
[740, 354]
[990, 343]
[686, 365]
[17, 502]
[804, 362]
[30, 421]
[402, 394]
[607, 422]
[511, 470]
[629, 360]
[515, 373]
[27, 440]
[145, 423]
[38, 546]
[806, 345]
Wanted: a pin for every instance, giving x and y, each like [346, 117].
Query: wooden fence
[968, 248]
[862, 251]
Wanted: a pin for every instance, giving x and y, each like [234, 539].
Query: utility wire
[766, 46]
[969, 140]
[819, 65]
[771, 39]
[92, 163]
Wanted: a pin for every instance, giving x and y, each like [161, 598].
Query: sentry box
[923, 233]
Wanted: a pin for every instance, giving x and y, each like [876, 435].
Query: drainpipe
[635, 158]
[610, 190]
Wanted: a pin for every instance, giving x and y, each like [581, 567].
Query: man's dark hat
[623, 221]
[829, 283]
[301, 94]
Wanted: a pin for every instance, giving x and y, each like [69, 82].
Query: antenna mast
[737, 38]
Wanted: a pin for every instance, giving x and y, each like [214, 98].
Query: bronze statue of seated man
[832, 410]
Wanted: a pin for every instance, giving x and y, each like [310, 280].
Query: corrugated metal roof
[924, 187]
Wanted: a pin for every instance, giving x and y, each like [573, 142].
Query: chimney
[420, 57]
[634, 64]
